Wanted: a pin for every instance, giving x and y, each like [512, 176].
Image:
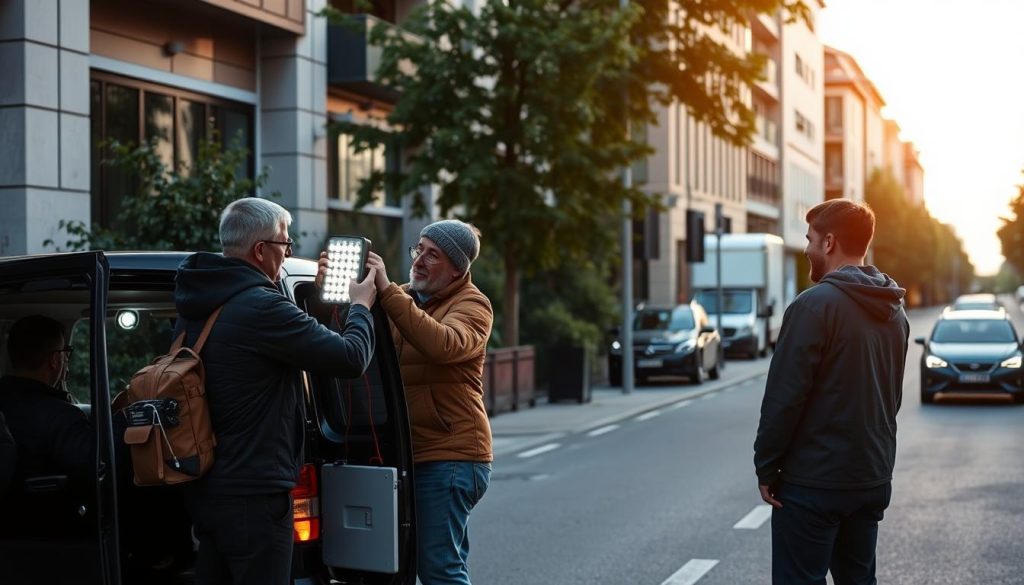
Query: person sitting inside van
[53, 437]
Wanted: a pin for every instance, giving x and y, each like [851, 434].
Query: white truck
[752, 290]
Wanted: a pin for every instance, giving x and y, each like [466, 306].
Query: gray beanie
[457, 239]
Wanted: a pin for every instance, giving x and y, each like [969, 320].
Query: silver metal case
[360, 517]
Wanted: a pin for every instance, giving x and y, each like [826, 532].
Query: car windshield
[973, 331]
[734, 301]
[677, 319]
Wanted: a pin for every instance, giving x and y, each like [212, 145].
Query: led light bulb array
[346, 258]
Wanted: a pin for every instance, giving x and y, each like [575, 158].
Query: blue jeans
[446, 492]
[819, 529]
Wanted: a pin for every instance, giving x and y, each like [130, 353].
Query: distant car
[670, 341]
[979, 301]
[972, 351]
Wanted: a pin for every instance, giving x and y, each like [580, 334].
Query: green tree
[1011, 233]
[516, 112]
[170, 208]
[910, 245]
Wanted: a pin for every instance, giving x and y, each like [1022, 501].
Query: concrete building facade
[801, 139]
[693, 170]
[269, 73]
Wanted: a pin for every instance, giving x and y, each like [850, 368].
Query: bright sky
[951, 74]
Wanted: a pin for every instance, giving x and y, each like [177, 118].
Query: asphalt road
[670, 498]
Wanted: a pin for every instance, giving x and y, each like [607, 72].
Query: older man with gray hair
[242, 508]
[440, 322]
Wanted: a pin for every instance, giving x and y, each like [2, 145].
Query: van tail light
[306, 506]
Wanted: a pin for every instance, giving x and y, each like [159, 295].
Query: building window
[804, 125]
[834, 166]
[799, 66]
[834, 115]
[348, 169]
[174, 121]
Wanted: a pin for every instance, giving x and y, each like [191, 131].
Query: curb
[668, 401]
[717, 386]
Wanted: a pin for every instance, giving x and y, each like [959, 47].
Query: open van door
[359, 446]
[66, 287]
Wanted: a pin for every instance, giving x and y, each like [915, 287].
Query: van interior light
[127, 319]
[346, 257]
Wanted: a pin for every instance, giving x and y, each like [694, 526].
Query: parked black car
[670, 341]
[119, 312]
[972, 351]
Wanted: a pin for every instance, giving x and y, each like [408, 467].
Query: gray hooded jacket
[828, 417]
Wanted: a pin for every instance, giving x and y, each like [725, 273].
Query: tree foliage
[517, 113]
[922, 254]
[169, 208]
[1011, 233]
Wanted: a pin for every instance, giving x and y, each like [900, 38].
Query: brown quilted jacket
[441, 350]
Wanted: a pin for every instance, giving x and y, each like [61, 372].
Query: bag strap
[180, 341]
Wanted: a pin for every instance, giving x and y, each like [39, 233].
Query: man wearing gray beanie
[441, 323]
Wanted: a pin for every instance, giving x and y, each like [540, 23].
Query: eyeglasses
[430, 257]
[66, 349]
[287, 244]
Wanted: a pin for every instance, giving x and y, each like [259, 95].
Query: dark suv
[354, 504]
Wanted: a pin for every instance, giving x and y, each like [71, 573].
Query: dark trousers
[818, 530]
[243, 540]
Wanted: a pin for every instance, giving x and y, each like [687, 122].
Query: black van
[354, 504]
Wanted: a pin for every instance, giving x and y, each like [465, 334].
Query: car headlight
[744, 331]
[686, 346]
[1013, 362]
[934, 361]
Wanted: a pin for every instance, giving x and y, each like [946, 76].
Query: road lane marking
[682, 404]
[691, 572]
[708, 396]
[602, 431]
[539, 450]
[755, 519]
[648, 415]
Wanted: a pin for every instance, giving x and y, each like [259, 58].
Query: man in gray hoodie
[826, 442]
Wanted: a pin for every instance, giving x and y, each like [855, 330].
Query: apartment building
[693, 170]
[801, 139]
[854, 127]
[913, 174]
[764, 191]
[270, 73]
[858, 139]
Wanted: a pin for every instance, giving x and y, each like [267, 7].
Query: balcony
[770, 84]
[289, 15]
[352, 60]
[766, 25]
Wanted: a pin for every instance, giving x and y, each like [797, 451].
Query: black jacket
[252, 358]
[828, 418]
[52, 435]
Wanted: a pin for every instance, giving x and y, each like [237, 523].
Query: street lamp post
[627, 262]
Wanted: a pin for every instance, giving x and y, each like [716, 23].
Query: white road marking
[691, 572]
[708, 396]
[755, 519]
[682, 404]
[648, 415]
[602, 430]
[539, 450]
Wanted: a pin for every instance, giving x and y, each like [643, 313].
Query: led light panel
[346, 257]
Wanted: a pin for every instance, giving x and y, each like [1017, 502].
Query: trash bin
[569, 374]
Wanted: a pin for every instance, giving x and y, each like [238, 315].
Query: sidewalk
[516, 431]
